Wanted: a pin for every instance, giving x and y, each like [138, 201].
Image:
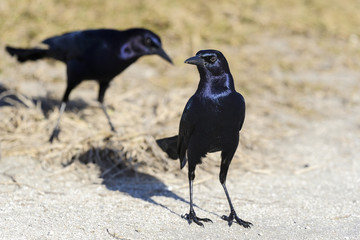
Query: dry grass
[206, 21]
[270, 45]
[85, 134]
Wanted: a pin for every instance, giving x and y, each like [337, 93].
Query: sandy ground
[304, 184]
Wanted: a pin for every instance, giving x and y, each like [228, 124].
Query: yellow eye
[213, 59]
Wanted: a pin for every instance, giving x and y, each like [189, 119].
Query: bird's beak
[163, 54]
[195, 60]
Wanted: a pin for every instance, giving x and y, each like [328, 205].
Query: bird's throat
[216, 87]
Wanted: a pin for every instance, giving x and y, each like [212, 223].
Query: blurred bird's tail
[169, 145]
[25, 54]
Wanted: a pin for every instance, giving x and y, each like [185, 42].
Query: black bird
[211, 122]
[98, 54]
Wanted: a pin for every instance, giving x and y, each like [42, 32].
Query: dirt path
[317, 202]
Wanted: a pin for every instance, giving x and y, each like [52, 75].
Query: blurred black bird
[98, 54]
[211, 122]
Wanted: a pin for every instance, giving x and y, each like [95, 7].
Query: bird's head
[211, 61]
[145, 42]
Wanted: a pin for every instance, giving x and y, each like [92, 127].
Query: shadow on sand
[118, 175]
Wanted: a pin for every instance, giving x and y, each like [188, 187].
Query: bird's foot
[192, 217]
[113, 129]
[54, 134]
[233, 216]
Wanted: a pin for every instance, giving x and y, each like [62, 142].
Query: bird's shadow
[11, 98]
[117, 175]
[48, 105]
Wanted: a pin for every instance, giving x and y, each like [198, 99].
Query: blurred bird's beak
[195, 60]
[163, 54]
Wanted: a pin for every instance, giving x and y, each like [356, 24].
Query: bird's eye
[148, 41]
[210, 59]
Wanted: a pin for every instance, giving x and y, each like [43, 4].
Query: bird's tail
[169, 145]
[25, 54]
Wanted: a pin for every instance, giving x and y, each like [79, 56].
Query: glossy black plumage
[210, 122]
[99, 55]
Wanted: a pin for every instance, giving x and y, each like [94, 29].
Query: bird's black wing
[186, 127]
[240, 109]
[74, 45]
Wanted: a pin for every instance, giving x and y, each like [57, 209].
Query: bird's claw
[241, 222]
[191, 217]
[113, 129]
[55, 134]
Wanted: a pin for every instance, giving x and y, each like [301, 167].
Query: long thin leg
[56, 131]
[225, 163]
[233, 214]
[71, 84]
[107, 117]
[103, 85]
[191, 216]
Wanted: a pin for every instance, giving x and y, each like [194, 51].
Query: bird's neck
[128, 52]
[216, 86]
